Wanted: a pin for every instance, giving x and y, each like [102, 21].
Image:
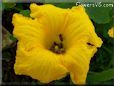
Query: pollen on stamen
[56, 47]
[60, 37]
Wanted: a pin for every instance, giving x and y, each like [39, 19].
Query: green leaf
[100, 76]
[59, 1]
[12, 37]
[7, 5]
[25, 12]
[64, 5]
[100, 15]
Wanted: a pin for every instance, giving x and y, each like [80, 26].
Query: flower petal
[27, 30]
[80, 27]
[77, 60]
[51, 17]
[38, 63]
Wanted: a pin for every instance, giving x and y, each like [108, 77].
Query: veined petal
[39, 63]
[77, 60]
[80, 27]
[51, 17]
[27, 30]
[20, 20]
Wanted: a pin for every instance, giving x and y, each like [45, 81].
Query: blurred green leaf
[64, 5]
[100, 15]
[6, 56]
[25, 12]
[100, 76]
[111, 63]
[7, 5]
[12, 37]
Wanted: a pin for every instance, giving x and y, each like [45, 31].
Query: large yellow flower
[54, 42]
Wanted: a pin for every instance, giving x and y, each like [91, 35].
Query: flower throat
[58, 48]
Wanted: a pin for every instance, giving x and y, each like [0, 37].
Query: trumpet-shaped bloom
[111, 32]
[54, 42]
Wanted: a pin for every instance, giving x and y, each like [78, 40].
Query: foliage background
[101, 66]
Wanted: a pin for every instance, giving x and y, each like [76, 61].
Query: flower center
[58, 48]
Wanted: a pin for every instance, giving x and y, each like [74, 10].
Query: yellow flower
[111, 32]
[54, 42]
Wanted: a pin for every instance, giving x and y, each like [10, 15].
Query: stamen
[58, 47]
[55, 43]
[60, 37]
[61, 45]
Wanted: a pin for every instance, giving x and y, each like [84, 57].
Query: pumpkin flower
[111, 32]
[54, 42]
